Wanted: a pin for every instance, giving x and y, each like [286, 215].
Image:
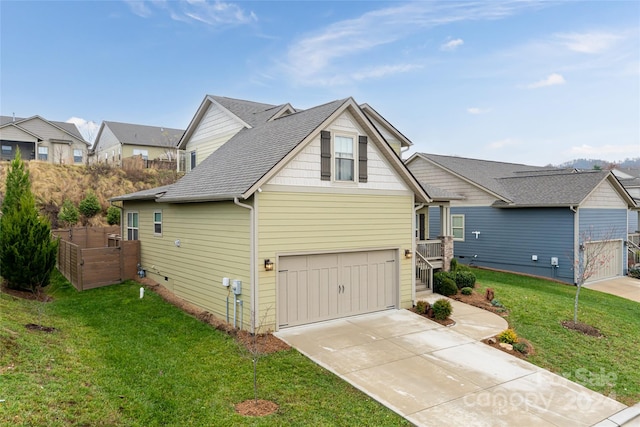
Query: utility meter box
[225, 282]
[237, 287]
[554, 261]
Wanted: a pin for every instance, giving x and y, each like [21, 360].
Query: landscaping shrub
[27, 252]
[466, 291]
[90, 205]
[465, 279]
[634, 272]
[520, 347]
[68, 215]
[442, 309]
[508, 336]
[453, 265]
[113, 215]
[422, 306]
[445, 286]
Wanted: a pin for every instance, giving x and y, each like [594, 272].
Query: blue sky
[518, 81]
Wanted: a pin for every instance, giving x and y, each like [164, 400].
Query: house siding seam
[214, 243]
[604, 197]
[304, 169]
[307, 223]
[545, 232]
[215, 128]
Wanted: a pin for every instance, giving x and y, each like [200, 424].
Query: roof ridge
[479, 160]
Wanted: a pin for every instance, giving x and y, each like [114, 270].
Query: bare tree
[592, 256]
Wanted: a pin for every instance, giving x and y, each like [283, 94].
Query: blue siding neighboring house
[527, 219]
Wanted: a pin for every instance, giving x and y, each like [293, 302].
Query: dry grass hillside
[52, 183]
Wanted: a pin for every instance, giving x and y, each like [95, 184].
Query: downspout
[413, 249]
[576, 242]
[253, 255]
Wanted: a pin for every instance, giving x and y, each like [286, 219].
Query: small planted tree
[592, 256]
[90, 205]
[68, 214]
[27, 251]
[113, 215]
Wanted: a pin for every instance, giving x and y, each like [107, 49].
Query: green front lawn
[115, 359]
[608, 365]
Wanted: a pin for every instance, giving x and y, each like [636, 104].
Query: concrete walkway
[625, 287]
[434, 375]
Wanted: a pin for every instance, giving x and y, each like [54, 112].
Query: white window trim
[45, 153]
[133, 228]
[334, 157]
[155, 222]
[463, 227]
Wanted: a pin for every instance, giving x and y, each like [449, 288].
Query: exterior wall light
[408, 253]
[268, 265]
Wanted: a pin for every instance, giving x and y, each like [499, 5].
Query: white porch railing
[424, 270]
[430, 249]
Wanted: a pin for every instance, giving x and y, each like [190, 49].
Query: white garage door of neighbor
[312, 288]
[607, 258]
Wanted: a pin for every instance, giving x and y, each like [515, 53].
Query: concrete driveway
[625, 287]
[434, 375]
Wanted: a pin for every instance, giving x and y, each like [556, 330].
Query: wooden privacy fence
[138, 162]
[87, 237]
[88, 268]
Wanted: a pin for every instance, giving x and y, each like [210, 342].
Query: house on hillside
[527, 219]
[40, 139]
[116, 142]
[308, 214]
[630, 180]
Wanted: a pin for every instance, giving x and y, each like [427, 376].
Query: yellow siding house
[285, 217]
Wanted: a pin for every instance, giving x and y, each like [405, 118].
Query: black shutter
[325, 155]
[421, 227]
[362, 158]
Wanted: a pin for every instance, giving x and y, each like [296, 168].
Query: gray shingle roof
[483, 172]
[68, 127]
[439, 194]
[561, 189]
[521, 185]
[236, 166]
[253, 113]
[153, 136]
[149, 194]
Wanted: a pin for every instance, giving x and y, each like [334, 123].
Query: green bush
[445, 286]
[508, 336]
[521, 347]
[68, 214]
[422, 306]
[466, 291]
[634, 272]
[439, 276]
[453, 265]
[113, 215]
[27, 252]
[442, 309]
[90, 205]
[465, 279]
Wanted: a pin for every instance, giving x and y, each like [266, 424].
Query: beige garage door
[606, 258]
[312, 288]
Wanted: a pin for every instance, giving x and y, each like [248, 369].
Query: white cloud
[593, 42]
[452, 45]
[551, 80]
[138, 8]
[476, 110]
[213, 13]
[88, 128]
[383, 71]
[507, 142]
[318, 57]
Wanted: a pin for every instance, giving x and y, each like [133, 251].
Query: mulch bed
[259, 408]
[582, 327]
[446, 322]
[493, 342]
[266, 343]
[480, 301]
[39, 295]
